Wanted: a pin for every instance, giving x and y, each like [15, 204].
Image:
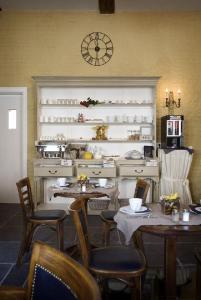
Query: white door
[13, 141]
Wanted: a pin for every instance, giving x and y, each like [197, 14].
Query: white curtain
[175, 166]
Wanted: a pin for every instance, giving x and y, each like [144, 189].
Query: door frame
[22, 91]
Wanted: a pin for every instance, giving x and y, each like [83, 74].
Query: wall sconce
[170, 102]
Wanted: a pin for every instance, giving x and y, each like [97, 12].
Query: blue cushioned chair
[33, 219]
[54, 275]
[125, 263]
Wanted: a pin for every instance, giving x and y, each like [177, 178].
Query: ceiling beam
[107, 6]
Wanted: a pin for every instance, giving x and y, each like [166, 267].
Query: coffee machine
[51, 149]
[172, 131]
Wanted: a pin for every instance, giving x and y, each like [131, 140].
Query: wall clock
[97, 48]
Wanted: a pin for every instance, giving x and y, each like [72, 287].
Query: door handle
[138, 171]
[96, 173]
[52, 171]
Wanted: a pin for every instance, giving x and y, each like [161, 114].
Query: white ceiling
[92, 5]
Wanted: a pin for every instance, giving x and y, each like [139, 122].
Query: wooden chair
[125, 263]
[54, 275]
[33, 219]
[107, 216]
[198, 275]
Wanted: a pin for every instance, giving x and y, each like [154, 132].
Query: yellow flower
[82, 177]
[171, 197]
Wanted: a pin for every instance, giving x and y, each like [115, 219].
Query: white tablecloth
[128, 224]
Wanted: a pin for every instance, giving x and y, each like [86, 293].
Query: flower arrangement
[82, 179]
[169, 202]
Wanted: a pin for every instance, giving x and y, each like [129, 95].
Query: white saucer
[127, 209]
[108, 186]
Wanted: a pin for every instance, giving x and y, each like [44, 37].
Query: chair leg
[30, 236]
[60, 235]
[106, 234]
[198, 278]
[137, 289]
[26, 239]
[119, 236]
[22, 250]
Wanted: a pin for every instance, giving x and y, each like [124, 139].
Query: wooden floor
[10, 236]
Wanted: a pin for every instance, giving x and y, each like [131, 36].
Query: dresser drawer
[97, 172]
[53, 171]
[138, 171]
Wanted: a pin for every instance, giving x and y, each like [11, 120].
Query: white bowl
[135, 203]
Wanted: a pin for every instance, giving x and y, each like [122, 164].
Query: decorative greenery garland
[89, 102]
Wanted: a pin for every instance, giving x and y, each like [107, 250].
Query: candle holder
[170, 102]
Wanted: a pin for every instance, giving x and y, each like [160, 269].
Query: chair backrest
[25, 196]
[78, 213]
[141, 189]
[55, 275]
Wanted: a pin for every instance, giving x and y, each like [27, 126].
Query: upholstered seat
[122, 259]
[107, 216]
[35, 218]
[48, 214]
[53, 275]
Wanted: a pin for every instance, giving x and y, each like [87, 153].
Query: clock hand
[96, 42]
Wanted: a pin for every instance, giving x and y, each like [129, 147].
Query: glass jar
[83, 188]
[175, 215]
[185, 216]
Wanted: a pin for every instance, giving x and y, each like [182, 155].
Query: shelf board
[108, 141]
[98, 123]
[109, 105]
[65, 142]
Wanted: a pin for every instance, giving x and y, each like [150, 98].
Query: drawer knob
[52, 171]
[96, 173]
[138, 171]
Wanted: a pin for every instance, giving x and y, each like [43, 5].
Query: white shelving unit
[127, 108]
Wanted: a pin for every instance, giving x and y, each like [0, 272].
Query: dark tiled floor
[10, 236]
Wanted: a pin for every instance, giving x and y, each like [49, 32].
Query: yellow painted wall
[145, 44]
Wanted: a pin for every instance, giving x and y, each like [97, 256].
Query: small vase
[83, 188]
[167, 206]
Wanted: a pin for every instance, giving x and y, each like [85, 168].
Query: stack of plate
[196, 209]
[142, 212]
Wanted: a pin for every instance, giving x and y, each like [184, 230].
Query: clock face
[97, 48]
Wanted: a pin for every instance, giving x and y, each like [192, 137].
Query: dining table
[73, 190]
[157, 223]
